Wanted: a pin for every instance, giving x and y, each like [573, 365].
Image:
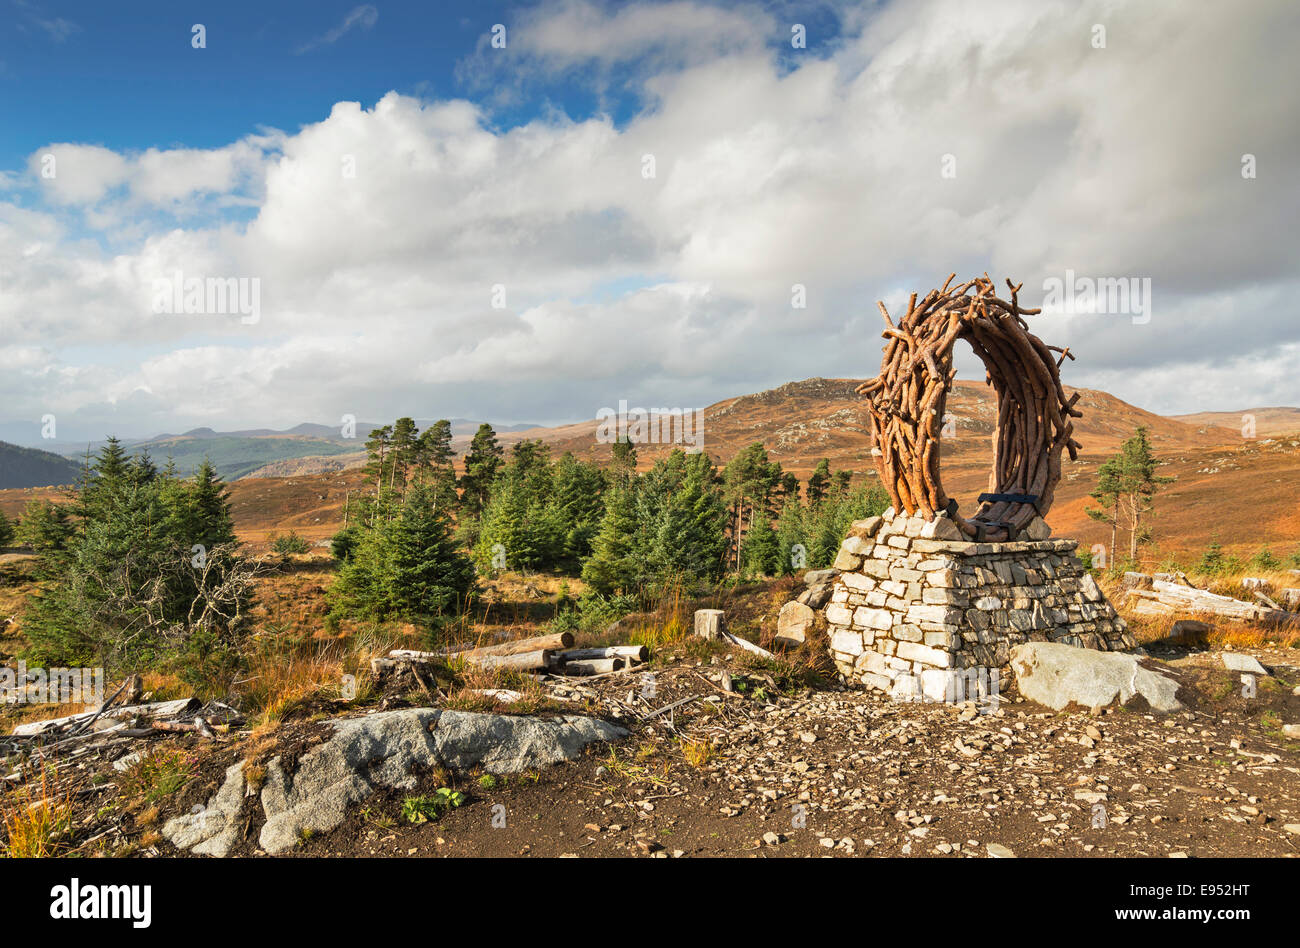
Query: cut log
[593, 666]
[553, 642]
[634, 653]
[525, 661]
[710, 623]
[157, 709]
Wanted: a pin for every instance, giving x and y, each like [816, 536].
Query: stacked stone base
[916, 605]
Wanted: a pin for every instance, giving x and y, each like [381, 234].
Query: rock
[815, 597]
[1036, 529]
[388, 749]
[867, 527]
[846, 561]
[1235, 661]
[815, 577]
[794, 623]
[771, 838]
[1291, 730]
[1131, 580]
[1060, 675]
[212, 829]
[941, 528]
[998, 851]
[710, 623]
[1292, 828]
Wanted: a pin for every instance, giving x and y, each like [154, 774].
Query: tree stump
[710, 623]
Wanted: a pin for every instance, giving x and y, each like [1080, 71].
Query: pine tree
[6, 531]
[819, 482]
[761, 553]
[482, 461]
[1138, 483]
[1107, 494]
[612, 566]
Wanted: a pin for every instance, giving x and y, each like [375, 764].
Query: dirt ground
[828, 772]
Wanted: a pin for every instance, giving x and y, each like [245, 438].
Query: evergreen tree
[612, 566]
[761, 552]
[482, 461]
[6, 531]
[1107, 494]
[408, 567]
[819, 482]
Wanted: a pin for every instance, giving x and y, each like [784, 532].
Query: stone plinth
[914, 599]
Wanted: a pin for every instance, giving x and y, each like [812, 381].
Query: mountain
[1238, 492]
[1269, 422]
[31, 467]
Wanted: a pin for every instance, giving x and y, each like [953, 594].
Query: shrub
[289, 544]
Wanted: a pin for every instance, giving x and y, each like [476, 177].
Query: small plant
[423, 809]
[697, 752]
[288, 544]
[487, 782]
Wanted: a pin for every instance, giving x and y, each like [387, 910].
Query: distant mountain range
[258, 452]
[31, 467]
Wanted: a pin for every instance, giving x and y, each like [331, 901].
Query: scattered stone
[1235, 661]
[998, 851]
[794, 623]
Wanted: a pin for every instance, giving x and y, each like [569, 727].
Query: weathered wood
[747, 645]
[635, 653]
[593, 666]
[157, 709]
[524, 661]
[551, 642]
[1165, 598]
[710, 623]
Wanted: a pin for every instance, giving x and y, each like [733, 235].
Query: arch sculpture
[906, 404]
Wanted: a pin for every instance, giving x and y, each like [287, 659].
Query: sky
[531, 212]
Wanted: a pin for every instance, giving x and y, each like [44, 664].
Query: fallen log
[593, 666]
[157, 709]
[1168, 597]
[553, 642]
[538, 660]
[746, 645]
[634, 653]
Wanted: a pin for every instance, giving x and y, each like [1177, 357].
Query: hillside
[30, 467]
[1222, 480]
[236, 455]
[1269, 422]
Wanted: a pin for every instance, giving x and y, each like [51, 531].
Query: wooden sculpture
[907, 406]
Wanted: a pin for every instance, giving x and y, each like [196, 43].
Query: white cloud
[363, 17]
[376, 286]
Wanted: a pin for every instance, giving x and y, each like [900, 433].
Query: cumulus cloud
[382, 237]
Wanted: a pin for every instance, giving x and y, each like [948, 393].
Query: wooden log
[746, 645]
[592, 666]
[553, 642]
[157, 709]
[635, 653]
[710, 623]
[524, 661]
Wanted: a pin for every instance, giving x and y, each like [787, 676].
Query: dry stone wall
[916, 599]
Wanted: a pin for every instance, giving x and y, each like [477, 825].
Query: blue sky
[126, 75]
[620, 204]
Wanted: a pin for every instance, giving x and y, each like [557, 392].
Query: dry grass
[698, 752]
[1224, 633]
[36, 818]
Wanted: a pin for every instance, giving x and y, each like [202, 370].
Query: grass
[698, 752]
[158, 774]
[37, 818]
